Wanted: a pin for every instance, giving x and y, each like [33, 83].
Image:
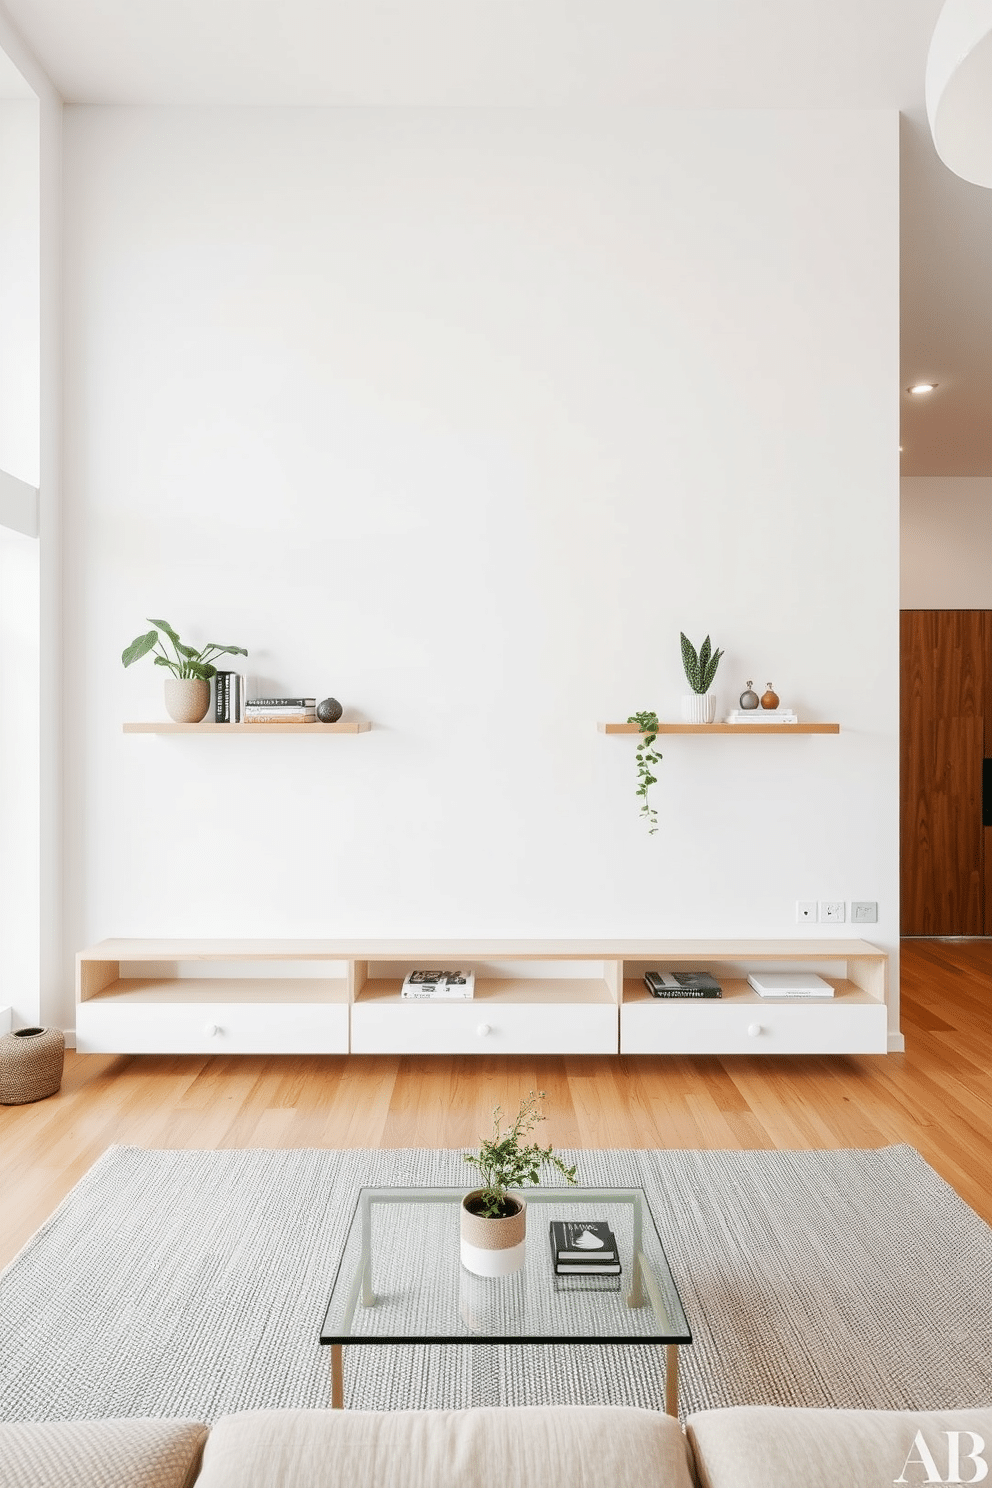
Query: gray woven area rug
[194, 1283]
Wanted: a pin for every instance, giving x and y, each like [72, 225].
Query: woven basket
[31, 1063]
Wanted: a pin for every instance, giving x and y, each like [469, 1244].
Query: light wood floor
[937, 1097]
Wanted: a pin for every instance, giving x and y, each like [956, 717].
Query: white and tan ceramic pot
[493, 1247]
[187, 699]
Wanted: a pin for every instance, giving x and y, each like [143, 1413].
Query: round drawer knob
[483, 1029]
[212, 1030]
[753, 1029]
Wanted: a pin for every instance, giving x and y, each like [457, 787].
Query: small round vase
[493, 1247]
[769, 699]
[698, 707]
[187, 699]
[749, 699]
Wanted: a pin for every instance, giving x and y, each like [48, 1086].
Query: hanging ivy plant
[647, 757]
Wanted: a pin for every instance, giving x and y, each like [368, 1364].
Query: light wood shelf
[553, 990]
[182, 990]
[346, 727]
[723, 728]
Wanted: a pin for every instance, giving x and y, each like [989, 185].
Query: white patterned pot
[493, 1247]
[699, 707]
[187, 699]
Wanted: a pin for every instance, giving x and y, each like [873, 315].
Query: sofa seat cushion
[536, 1446]
[775, 1447]
[100, 1454]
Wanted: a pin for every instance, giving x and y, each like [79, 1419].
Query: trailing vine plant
[647, 757]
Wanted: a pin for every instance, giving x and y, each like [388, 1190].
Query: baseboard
[897, 1044]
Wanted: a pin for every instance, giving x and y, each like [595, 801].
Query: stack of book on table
[281, 710]
[584, 1252]
[789, 984]
[428, 986]
[762, 715]
[682, 984]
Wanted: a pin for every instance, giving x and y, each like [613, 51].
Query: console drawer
[111, 1026]
[846, 1026]
[483, 1027]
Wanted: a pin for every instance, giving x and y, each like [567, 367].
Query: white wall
[460, 416]
[946, 543]
[23, 866]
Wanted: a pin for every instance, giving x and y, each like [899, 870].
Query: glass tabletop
[400, 1278]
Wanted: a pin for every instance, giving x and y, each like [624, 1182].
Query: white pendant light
[959, 89]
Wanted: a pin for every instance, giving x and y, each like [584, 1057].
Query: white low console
[531, 997]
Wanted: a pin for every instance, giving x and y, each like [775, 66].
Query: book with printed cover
[437, 985]
[682, 984]
[583, 1242]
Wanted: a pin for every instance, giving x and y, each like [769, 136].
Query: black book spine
[218, 697]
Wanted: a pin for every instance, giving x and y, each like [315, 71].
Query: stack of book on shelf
[762, 715]
[281, 710]
[428, 986]
[585, 1254]
[229, 697]
[682, 984]
[789, 984]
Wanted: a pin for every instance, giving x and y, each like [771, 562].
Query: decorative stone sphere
[329, 711]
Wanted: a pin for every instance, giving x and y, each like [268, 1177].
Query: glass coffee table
[400, 1280]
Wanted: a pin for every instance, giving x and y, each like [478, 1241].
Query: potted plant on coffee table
[494, 1219]
[187, 691]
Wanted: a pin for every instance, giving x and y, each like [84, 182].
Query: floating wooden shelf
[724, 728]
[247, 728]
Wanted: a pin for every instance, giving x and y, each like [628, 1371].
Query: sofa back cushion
[541, 1447]
[775, 1447]
[100, 1454]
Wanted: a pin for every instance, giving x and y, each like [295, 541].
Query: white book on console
[437, 986]
[789, 984]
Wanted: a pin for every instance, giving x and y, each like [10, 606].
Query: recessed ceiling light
[922, 387]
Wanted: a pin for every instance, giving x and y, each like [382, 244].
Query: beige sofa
[537, 1447]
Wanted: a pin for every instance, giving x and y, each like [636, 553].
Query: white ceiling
[520, 53]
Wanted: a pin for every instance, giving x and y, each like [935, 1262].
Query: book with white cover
[789, 984]
[432, 986]
[763, 715]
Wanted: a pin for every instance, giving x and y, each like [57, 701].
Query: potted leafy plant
[187, 691]
[493, 1219]
[700, 669]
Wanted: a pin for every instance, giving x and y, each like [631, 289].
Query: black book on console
[682, 984]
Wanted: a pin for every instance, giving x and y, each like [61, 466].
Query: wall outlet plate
[806, 913]
[832, 910]
[864, 911]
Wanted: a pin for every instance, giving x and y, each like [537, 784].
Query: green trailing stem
[187, 663]
[647, 757]
[699, 669]
[507, 1160]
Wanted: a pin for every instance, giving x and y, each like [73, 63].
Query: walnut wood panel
[942, 732]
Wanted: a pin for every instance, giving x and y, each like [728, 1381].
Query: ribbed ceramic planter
[698, 707]
[493, 1247]
[187, 699]
[31, 1063]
